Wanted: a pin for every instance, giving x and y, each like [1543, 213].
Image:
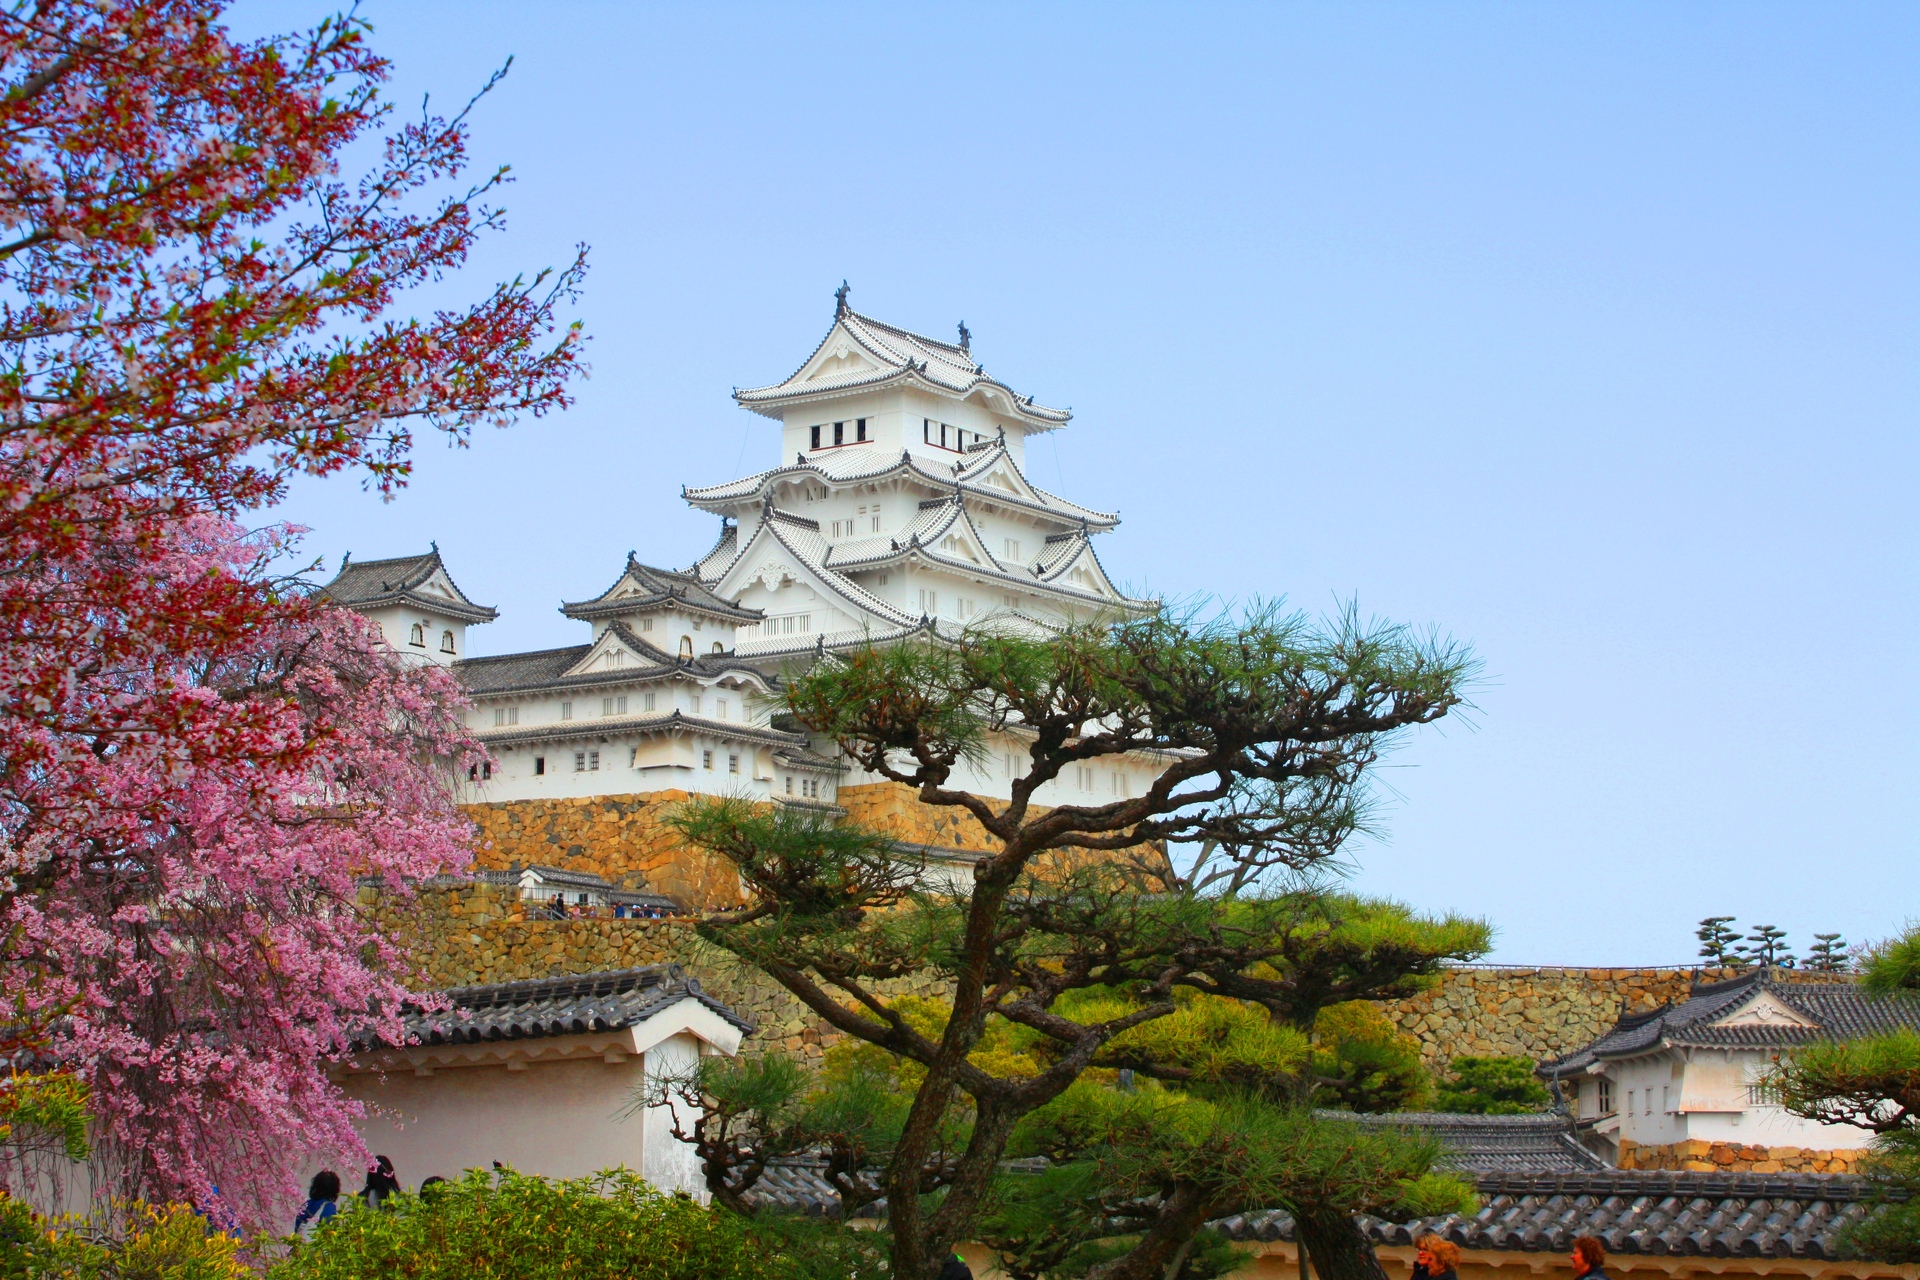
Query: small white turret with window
[422, 613]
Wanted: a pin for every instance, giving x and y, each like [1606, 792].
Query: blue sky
[1586, 333]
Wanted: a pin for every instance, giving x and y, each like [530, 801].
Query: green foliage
[1491, 1086]
[1431, 1195]
[1828, 954]
[513, 1227]
[1891, 1233]
[1893, 966]
[143, 1242]
[44, 1113]
[1872, 1083]
[1362, 1062]
[1717, 942]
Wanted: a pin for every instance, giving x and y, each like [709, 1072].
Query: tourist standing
[1589, 1256]
[380, 1182]
[1436, 1259]
[323, 1195]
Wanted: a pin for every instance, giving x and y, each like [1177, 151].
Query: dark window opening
[539, 765]
[860, 429]
[816, 438]
[839, 433]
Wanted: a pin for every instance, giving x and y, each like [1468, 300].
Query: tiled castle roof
[867, 464]
[642, 587]
[1833, 1009]
[373, 584]
[894, 354]
[1769, 1215]
[611, 1001]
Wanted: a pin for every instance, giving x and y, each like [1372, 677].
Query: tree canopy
[1189, 936]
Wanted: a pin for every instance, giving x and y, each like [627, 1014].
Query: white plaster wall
[667, 1162]
[396, 624]
[557, 1119]
[1666, 1098]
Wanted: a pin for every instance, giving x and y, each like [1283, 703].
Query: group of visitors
[323, 1193]
[1439, 1259]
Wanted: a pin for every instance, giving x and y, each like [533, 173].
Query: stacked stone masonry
[476, 935]
[1733, 1157]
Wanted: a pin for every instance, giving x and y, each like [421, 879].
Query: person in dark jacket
[956, 1268]
[1435, 1259]
[1589, 1256]
[380, 1182]
[323, 1194]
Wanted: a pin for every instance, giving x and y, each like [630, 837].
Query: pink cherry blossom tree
[198, 764]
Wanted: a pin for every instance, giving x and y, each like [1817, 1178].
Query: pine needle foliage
[1187, 936]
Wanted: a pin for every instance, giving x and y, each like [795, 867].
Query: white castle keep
[899, 510]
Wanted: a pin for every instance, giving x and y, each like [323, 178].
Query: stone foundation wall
[1534, 1013]
[481, 933]
[620, 837]
[1734, 1157]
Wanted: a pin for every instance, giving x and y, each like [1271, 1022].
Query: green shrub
[1364, 1063]
[514, 1227]
[142, 1243]
[1491, 1087]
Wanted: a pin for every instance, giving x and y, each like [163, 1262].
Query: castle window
[789, 784]
[646, 702]
[929, 602]
[720, 707]
[566, 711]
[586, 762]
[539, 765]
[686, 646]
[816, 438]
[646, 624]
[479, 772]
[860, 429]
[446, 642]
[884, 579]
[613, 706]
[695, 703]
[839, 432]
[876, 518]
[706, 760]
[1012, 546]
[418, 638]
[733, 763]
[718, 647]
[1604, 1088]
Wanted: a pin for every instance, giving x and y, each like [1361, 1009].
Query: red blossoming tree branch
[197, 764]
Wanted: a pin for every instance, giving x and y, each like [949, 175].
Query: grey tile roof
[663, 722]
[372, 584]
[1540, 1143]
[1700, 1214]
[798, 1184]
[641, 587]
[1836, 1006]
[547, 668]
[899, 354]
[863, 464]
[609, 1001]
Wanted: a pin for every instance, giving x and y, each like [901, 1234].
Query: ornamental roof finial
[965, 337]
[840, 300]
[435, 545]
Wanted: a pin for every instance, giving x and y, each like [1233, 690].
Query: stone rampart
[1735, 1157]
[481, 933]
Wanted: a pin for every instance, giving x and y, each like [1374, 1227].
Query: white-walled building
[1665, 1087]
[550, 1077]
[904, 513]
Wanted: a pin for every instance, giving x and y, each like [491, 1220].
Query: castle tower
[900, 503]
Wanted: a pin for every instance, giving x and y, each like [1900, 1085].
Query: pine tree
[1766, 945]
[1717, 941]
[1828, 953]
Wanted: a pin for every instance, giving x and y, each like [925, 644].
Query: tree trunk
[1338, 1249]
[1182, 1213]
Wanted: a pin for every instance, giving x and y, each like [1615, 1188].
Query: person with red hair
[1589, 1256]
[1435, 1259]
